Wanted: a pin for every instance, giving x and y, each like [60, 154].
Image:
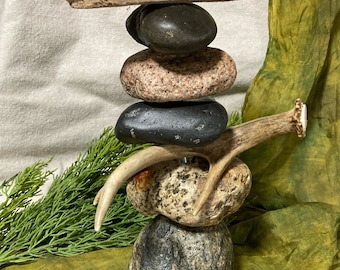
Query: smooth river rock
[190, 123]
[157, 78]
[171, 188]
[165, 245]
[177, 29]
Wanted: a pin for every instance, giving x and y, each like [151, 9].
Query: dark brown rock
[176, 29]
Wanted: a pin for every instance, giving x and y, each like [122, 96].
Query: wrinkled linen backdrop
[59, 73]
[58, 90]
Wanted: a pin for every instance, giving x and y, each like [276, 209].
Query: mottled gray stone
[177, 29]
[190, 123]
[165, 245]
[171, 188]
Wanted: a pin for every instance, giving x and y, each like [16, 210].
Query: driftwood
[113, 3]
[219, 154]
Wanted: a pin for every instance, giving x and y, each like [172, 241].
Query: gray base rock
[166, 245]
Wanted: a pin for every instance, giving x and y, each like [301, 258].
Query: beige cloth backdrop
[59, 73]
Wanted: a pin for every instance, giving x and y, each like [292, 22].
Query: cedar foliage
[61, 223]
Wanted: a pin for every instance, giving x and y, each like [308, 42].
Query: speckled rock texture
[178, 29]
[166, 245]
[171, 188]
[190, 123]
[160, 78]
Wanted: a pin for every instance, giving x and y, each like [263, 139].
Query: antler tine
[242, 137]
[129, 168]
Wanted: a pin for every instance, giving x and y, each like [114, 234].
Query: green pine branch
[19, 191]
[61, 223]
[234, 119]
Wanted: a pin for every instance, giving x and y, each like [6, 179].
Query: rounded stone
[171, 189]
[157, 78]
[190, 123]
[177, 29]
[165, 245]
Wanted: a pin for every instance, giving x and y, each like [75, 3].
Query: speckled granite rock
[178, 29]
[165, 245]
[171, 188]
[190, 123]
[157, 78]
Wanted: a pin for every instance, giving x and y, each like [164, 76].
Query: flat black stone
[172, 28]
[185, 123]
[165, 245]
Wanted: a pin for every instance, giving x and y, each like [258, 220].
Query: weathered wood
[82, 4]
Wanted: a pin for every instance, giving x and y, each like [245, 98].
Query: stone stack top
[82, 4]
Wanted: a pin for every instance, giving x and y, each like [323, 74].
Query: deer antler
[218, 153]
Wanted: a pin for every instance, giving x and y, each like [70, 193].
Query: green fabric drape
[296, 183]
[302, 61]
[293, 221]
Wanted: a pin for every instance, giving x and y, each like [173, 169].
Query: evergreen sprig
[234, 119]
[19, 191]
[61, 223]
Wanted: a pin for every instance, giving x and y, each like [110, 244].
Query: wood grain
[83, 4]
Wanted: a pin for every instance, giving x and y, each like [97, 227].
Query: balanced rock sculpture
[191, 177]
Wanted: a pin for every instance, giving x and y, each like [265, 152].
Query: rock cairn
[176, 77]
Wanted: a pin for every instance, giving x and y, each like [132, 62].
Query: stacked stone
[176, 77]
